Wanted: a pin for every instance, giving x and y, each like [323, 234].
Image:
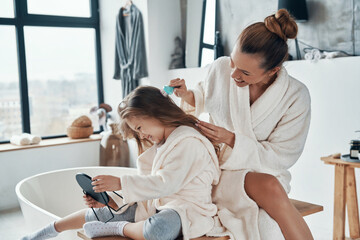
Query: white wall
[193, 29]
[164, 25]
[20, 164]
[334, 88]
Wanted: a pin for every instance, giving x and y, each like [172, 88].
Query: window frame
[202, 44]
[21, 19]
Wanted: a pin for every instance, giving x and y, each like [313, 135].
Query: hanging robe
[130, 53]
[269, 138]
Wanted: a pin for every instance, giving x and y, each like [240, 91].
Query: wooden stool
[345, 197]
[303, 207]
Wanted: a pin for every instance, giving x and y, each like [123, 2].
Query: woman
[261, 116]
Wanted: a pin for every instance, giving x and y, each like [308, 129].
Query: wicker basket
[79, 132]
[82, 121]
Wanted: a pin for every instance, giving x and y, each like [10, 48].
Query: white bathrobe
[178, 175]
[269, 138]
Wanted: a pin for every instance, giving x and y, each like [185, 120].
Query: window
[6, 9]
[10, 111]
[77, 8]
[207, 35]
[50, 65]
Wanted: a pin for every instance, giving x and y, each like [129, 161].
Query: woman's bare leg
[73, 221]
[268, 193]
[134, 230]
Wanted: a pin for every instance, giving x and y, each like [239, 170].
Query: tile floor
[12, 224]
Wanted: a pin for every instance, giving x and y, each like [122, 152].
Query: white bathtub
[52, 195]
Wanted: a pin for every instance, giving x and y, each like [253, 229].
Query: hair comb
[167, 90]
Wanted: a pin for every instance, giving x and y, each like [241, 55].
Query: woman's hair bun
[282, 24]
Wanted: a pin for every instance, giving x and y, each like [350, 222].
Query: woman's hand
[90, 202]
[182, 92]
[104, 183]
[217, 134]
[180, 87]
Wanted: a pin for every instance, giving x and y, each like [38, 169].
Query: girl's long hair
[147, 101]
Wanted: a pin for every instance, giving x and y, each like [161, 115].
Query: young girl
[171, 196]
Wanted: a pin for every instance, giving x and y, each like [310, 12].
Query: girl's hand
[104, 183]
[90, 202]
[217, 134]
[180, 87]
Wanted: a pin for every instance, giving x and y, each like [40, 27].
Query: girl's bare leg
[73, 221]
[268, 193]
[134, 230]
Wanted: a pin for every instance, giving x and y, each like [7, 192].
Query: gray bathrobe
[130, 54]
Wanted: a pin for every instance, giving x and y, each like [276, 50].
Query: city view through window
[61, 72]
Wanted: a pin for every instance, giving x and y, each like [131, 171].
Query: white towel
[34, 139]
[25, 139]
[20, 140]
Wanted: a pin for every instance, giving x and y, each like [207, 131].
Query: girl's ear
[273, 71]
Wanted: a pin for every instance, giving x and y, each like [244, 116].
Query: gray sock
[100, 229]
[44, 233]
